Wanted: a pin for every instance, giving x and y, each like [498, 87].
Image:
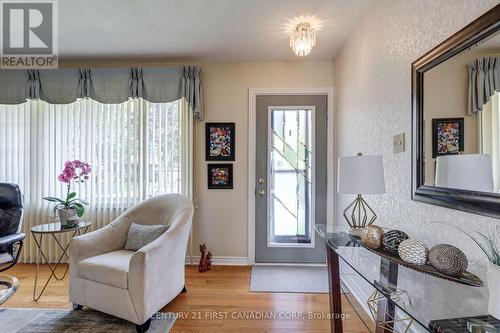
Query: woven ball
[448, 259]
[413, 251]
[392, 239]
[372, 236]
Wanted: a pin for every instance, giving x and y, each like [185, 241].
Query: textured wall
[373, 103]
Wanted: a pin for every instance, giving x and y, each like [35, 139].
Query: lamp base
[359, 215]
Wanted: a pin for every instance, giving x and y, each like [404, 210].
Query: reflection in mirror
[462, 120]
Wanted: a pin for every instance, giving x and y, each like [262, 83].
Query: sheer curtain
[136, 149]
[489, 118]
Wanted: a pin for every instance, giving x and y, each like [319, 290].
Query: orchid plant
[77, 172]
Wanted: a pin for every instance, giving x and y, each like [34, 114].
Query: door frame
[331, 154]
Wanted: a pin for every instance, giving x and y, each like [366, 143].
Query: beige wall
[373, 103]
[220, 218]
[446, 89]
[221, 215]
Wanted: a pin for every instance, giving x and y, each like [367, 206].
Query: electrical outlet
[398, 143]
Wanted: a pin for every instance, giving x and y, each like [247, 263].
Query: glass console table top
[8, 286]
[55, 227]
[428, 297]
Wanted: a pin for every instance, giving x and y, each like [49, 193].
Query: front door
[291, 151]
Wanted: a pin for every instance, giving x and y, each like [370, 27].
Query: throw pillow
[139, 235]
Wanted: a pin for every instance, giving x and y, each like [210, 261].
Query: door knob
[261, 192]
[260, 180]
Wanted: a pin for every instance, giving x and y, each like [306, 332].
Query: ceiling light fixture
[302, 39]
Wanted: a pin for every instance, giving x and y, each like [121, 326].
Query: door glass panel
[290, 175]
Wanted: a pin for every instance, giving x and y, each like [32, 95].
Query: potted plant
[488, 244]
[70, 208]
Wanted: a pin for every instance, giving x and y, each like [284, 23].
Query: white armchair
[132, 285]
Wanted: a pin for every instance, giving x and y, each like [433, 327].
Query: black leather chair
[11, 239]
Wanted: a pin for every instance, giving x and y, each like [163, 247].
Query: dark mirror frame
[470, 201]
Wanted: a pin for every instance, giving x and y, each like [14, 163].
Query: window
[291, 175]
[136, 149]
[489, 134]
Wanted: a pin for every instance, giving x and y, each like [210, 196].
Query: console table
[397, 297]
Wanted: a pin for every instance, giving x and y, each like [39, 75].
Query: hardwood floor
[216, 301]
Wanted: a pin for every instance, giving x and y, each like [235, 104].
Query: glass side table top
[55, 227]
[428, 297]
[8, 286]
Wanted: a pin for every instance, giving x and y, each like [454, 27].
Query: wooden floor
[216, 301]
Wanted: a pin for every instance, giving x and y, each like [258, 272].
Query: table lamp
[473, 172]
[360, 175]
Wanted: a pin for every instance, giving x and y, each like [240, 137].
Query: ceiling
[201, 29]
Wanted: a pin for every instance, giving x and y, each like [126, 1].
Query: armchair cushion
[11, 207]
[5, 258]
[140, 235]
[110, 268]
[7, 241]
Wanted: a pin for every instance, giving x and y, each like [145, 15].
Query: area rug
[289, 279]
[83, 321]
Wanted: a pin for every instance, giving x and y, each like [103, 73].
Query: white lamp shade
[473, 172]
[361, 175]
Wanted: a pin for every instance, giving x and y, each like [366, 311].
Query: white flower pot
[494, 290]
[67, 216]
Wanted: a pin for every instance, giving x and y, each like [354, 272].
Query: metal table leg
[41, 256]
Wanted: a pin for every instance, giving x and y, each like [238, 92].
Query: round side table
[53, 229]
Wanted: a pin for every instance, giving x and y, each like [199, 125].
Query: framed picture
[447, 136]
[220, 176]
[219, 140]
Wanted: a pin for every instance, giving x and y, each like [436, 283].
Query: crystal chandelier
[303, 39]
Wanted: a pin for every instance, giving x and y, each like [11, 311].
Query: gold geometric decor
[389, 325]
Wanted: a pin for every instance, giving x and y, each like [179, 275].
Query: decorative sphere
[448, 259]
[413, 252]
[392, 239]
[372, 236]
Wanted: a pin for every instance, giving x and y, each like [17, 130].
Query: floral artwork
[448, 137]
[220, 141]
[220, 176]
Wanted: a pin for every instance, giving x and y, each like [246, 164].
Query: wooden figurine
[208, 261]
[205, 260]
[202, 266]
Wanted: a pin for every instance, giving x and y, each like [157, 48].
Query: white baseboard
[221, 260]
[243, 261]
[289, 264]
[360, 294]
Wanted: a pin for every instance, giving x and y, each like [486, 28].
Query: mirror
[456, 120]
[452, 126]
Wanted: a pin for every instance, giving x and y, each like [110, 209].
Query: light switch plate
[398, 143]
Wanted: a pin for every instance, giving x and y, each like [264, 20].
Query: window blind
[137, 149]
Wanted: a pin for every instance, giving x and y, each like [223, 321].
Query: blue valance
[105, 85]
